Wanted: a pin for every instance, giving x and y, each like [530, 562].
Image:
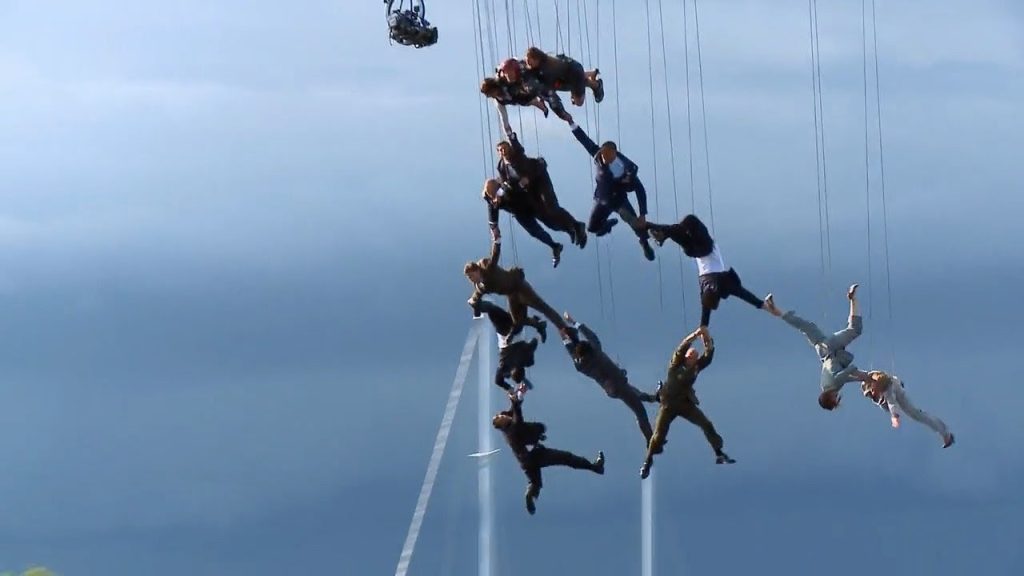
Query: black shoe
[648, 251]
[599, 91]
[599, 463]
[475, 305]
[530, 506]
[542, 329]
[556, 255]
[645, 470]
[581, 235]
[607, 227]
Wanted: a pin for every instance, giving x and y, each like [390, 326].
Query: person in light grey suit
[837, 367]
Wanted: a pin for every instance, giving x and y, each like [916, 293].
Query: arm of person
[589, 335]
[680, 352]
[641, 197]
[583, 139]
[517, 408]
[503, 115]
[709, 352]
[492, 262]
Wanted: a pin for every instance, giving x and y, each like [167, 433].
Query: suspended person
[888, 392]
[531, 175]
[488, 277]
[717, 282]
[615, 176]
[837, 367]
[521, 83]
[590, 359]
[515, 201]
[410, 27]
[514, 354]
[563, 74]
[679, 400]
[521, 435]
[505, 94]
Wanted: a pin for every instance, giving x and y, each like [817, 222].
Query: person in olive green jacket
[490, 278]
[678, 398]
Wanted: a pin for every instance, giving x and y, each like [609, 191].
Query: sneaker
[556, 255]
[645, 470]
[599, 463]
[530, 506]
[723, 458]
[948, 440]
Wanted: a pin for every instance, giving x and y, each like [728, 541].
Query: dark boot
[581, 235]
[556, 255]
[599, 463]
[648, 251]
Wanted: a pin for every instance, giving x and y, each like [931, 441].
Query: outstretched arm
[492, 261]
[709, 351]
[582, 137]
[680, 352]
[503, 114]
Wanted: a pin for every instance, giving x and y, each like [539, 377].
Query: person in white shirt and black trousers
[717, 282]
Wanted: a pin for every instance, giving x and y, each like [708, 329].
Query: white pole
[485, 445]
[647, 526]
[435, 457]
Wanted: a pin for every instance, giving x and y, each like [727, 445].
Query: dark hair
[828, 400]
[610, 144]
[534, 52]
[489, 84]
[696, 240]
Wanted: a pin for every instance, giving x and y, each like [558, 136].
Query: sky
[231, 241]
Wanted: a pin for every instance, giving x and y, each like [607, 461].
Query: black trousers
[716, 286]
[542, 457]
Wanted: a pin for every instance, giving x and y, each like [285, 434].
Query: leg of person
[530, 298]
[533, 488]
[519, 310]
[809, 329]
[662, 422]
[843, 338]
[599, 224]
[735, 288]
[923, 417]
[628, 214]
[556, 217]
[500, 319]
[554, 457]
[533, 228]
[631, 397]
[693, 414]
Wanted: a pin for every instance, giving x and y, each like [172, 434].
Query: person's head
[491, 187]
[829, 399]
[608, 152]
[534, 57]
[490, 87]
[509, 69]
[690, 360]
[501, 421]
[504, 150]
[472, 270]
[879, 381]
[696, 240]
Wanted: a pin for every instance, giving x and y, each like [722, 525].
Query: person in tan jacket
[488, 277]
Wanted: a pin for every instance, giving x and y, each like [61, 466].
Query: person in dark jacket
[678, 398]
[521, 435]
[615, 176]
[517, 202]
[562, 73]
[529, 174]
[514, 354]
[590, 359]
[717, 282]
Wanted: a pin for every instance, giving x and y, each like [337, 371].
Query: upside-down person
[521, 435]
[590, 359]
[515, 355]
[888, 392]
[564, 74]
[837, 367]
[523, 208]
